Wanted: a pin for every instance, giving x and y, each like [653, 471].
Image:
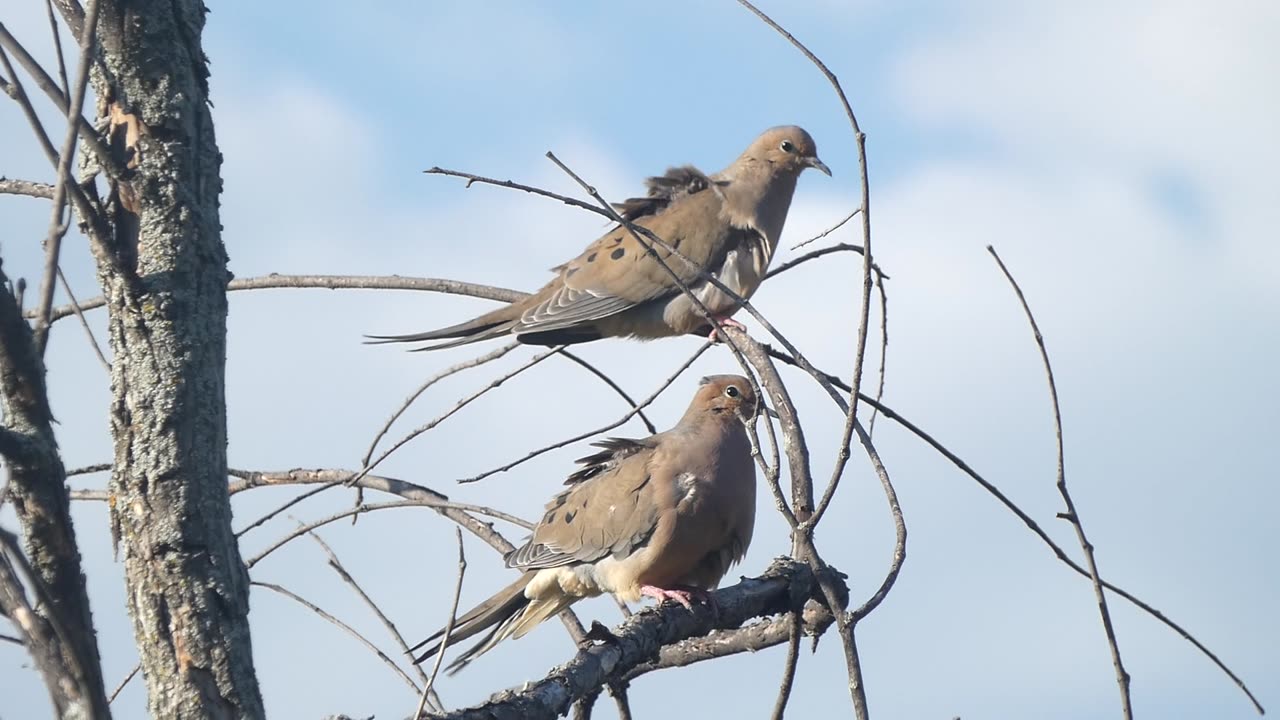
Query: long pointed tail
[496, 612]
[490, 325]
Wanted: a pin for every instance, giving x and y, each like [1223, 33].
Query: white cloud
[1128, 90]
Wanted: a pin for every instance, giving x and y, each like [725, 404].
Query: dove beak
[769, 411]
[813, 162]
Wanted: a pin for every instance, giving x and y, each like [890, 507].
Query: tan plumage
[662, 517]
[727, 224]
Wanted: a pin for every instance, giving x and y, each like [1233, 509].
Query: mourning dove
[662, 517]
[727, 225]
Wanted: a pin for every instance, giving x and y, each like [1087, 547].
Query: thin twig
[815, 254]
[93, 341]
[418, 431]
[347, 578]
[89, 469]
[341, 625]
[119, 688]
[583, 436]
[899, 527]
[57, 225]
[290, 503]
[884, 350]
[448, 628]
[472, 179]
[1034, 527]
[828, 231]
[365, 508]
[616, 388]
[789, 668]
[865, 308]
[96, 228]
[464, 365]
[1122, 676]
[57, 46]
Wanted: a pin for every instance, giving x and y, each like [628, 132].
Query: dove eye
[787, 147]
[732, 391]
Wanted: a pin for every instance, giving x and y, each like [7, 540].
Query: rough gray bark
[640, 641]
[37, 486]
[165, 279]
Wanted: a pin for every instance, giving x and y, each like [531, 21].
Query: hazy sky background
[1120, 155]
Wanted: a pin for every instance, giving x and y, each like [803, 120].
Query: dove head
[787, 149]
[725, 397]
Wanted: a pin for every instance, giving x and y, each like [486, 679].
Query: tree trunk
[37, 486]
[165, 280]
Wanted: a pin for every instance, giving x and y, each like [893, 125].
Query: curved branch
[591, 433]
[1035, 528]
[342, 626]
[452, 370]
[1122, 675]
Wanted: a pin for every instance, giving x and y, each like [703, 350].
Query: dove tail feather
[490, 325]
[497, 610]
[529, 616]
[565, 336]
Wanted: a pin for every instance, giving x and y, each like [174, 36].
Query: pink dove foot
[683, 594]
[724, 322]
[660, 594]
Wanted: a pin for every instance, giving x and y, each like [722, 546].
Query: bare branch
[793, 440]
[789, 667]
[57, 46]
[88, 331]
[29, 188]
[57, 225]
[464, 365]
[99, 236]
[89, 469]
[448, 628]
[583, 436]
[1122, 676]
[899, 527]
[264, 519]
[828, 231]
[344, 627]
[884, 350]
[457, 406]
[37, 487]
[472, 179]
[1035, 528]
[44, 637]
[639, 639]
[347, 578]
[815, 254]
[51, 90]
[816, 617]
[612, 385]
[123, 683]
[72, 14]
[338, 282]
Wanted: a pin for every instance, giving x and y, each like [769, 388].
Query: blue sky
[1119, 155]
